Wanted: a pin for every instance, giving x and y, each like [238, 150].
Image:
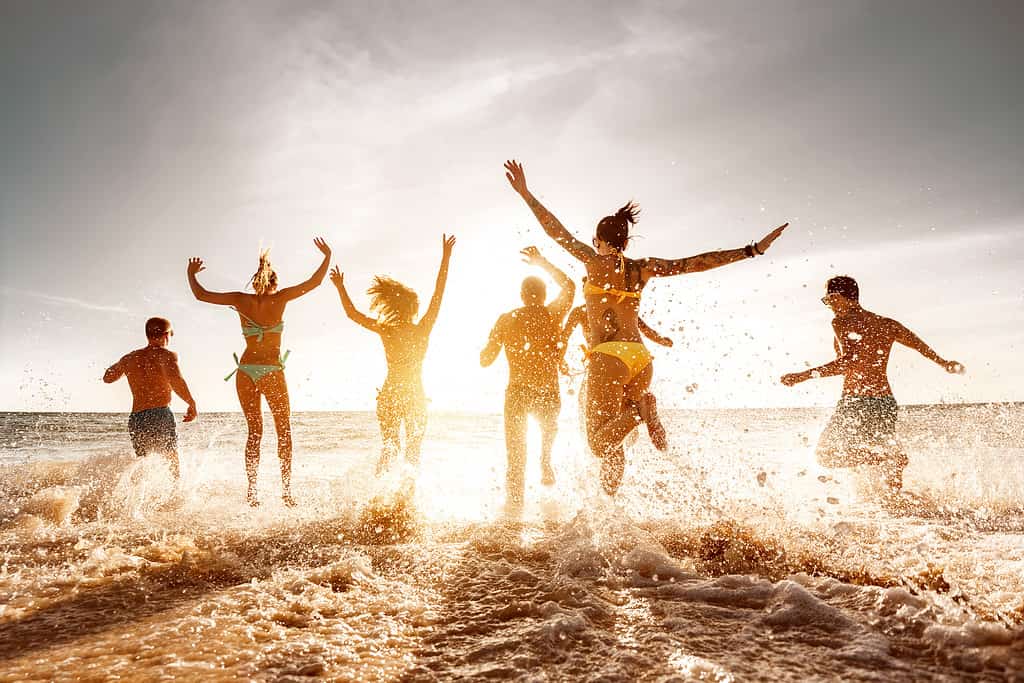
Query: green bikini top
[253, 329]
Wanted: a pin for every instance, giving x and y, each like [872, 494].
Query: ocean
[733, 557]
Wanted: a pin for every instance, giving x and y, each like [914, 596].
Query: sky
[136, 134]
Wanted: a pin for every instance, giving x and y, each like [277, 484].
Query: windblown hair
[615, 229]
[393, 301]
[264, 279]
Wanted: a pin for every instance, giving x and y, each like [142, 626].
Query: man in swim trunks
[862, 430]
[531, 336]
[153, 374]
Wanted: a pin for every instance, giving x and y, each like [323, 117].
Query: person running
[619, 372]
[531, 336]
[401, 400]
[153, 373]
[260, 370]
[862, 430]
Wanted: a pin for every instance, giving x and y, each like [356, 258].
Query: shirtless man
[153, 374]
[531, 336]
[862, 430]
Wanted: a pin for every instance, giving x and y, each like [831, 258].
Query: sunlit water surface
[732, 557]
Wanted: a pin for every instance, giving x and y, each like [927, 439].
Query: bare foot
[252, 499]
[648, 407]
[288, 500]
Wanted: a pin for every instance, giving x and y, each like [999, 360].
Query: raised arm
[338, 280]
[114, 372]
[295, 291]
[179, 386]
[658, 267]
[911, 340]
[567, 288]
[494, 341]
[552, 226]
[195, 266]
[430, 317]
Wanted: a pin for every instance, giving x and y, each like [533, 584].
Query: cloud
[63, 300]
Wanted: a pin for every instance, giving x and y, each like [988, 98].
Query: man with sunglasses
[153, 374]
[862, 431]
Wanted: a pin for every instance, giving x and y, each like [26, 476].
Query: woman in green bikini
[260, 370]
[401, 400]
[619, 372]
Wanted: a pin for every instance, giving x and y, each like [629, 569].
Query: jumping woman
[619, 372]
[260, 370]
[401, 400]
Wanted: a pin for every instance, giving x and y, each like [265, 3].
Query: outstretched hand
[516, 176]
[447, 242]
[321, 244]
[337, 277]
[793, 377]
[767, 240]
[953, 367]
[532, 256]
[195, 265]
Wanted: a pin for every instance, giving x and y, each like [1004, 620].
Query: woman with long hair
[401, 400]
[260, 371]
[620, 370]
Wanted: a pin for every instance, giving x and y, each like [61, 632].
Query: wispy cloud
[63, 300]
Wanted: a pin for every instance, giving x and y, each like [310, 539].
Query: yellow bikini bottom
[634, 354]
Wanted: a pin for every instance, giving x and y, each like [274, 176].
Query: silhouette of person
[260, 370]
[401, 401]
[862, 430]
[153, 373]
[619, 372]
[531, 337]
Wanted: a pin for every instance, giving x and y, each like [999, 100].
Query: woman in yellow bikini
[401, 399]
[260, 370]
[619, 372]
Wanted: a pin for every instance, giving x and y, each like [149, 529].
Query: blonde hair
[264, 279]
[393, 301]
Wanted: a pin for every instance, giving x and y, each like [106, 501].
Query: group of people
[619, 367]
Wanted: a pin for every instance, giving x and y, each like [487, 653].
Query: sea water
[732, 557]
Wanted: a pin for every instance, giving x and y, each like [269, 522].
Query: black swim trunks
[153, 431]
[862, 431]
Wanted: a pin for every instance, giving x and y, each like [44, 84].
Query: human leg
[390, 420]
[415, 419]
[515, 444]
[275, 387]
[249, 400]
[546, 408]
[609, 417]
[639, 392]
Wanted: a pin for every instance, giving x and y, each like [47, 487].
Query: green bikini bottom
[255, 372]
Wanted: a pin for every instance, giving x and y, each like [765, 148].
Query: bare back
[267, 311]
[531, 337]
[405, 347]
[149, 371]
[610, 316]
[865, 340]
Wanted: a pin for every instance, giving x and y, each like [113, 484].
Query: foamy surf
[702, 569]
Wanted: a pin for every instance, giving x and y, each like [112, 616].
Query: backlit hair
[615, 229]
[845, 286]
[393, 301]
[264, 279]
[157, 327]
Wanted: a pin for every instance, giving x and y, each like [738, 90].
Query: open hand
[447, 242]
[337, 277]
[532, 256]
[195, 265]
[767, 240]
[322, 246]
[516, 176]
[793, 378]
[190, 414]
[953, 367]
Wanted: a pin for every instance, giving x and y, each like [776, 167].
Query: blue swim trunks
[152, 431]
